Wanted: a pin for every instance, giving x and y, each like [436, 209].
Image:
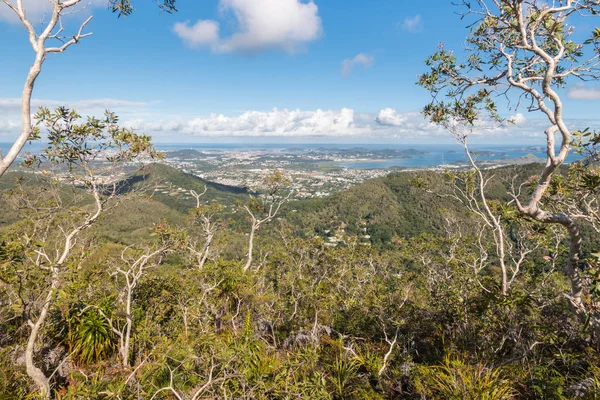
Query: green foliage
[462, 108]
[275, 181]
[585, 142]
[76, 144]
[400, 205]
[14, 383]
[92, 338]
[457, 380]
[152, 176]
[311, 320]
[343, 372]
[124, 8]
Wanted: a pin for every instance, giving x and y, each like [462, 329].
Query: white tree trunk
[38, 44]
[206, 251]
[35, 373]
[17, 146]
[129, 323]
[250, 247]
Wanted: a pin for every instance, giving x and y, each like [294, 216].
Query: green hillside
[394, 206]
[328, 305]
[379, 210]
[172, 187]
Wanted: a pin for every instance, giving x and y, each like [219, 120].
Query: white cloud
[261, 24]
[412, 24]
[171, 126]
[298, 123]
[202, 33]
[387, 124]
[390, 117]
[580, 92]
[518, 119]
[277, 123]
[360, 59]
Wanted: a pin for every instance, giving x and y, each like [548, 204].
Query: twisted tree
[263, 209]
[52, 39]
[523, 51]
[131, 269]
[88, 157]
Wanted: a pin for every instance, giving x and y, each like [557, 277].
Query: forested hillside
[400, 205]
[404, 316]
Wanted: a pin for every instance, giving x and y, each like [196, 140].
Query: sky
[298, 71]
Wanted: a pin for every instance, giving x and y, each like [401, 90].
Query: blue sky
[273, 70]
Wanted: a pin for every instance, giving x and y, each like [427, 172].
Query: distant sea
[424, 156]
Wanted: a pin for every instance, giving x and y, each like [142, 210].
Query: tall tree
[265, 208]
[52, 32]
[525, 51]
[132, 268]
[87, 156]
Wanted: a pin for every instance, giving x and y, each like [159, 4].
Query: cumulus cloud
[412, 24]
[360, 59]
[518, 119]
[388, 124]
[277, 123]
[390, 117]
[283, 123]
[261, 24]
[580, 92]
[202, 33]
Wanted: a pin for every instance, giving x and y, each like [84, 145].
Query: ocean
[424, 156]
[414, 155]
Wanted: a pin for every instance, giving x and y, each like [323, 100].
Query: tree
[524, 50]
[264, 209]
[133, 267]
[463, 118]
[207, 217]
[579, 191]
[52, 31]
[86, 156]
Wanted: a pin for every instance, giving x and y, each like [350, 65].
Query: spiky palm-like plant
[455, 379]
[91, 338]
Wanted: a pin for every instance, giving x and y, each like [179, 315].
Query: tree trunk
[127, 340]
[586, 313]
[36, 374]
[250, 248]
[501, 256]
[572, 268]
[16, 148]
[206, 251]
[573, 263]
